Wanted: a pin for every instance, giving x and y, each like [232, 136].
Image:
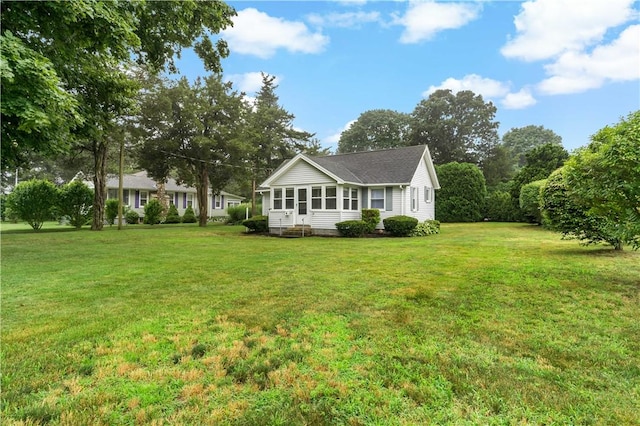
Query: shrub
[111, 211]
[172, 215]
[189, 216]
[400, 226]
[530, 201]
[352, 228]
[462, 193]
[75, 201]
[152, 212]
[500, 207]
[428, 227]
[238, 213]
[257, 223]
[33, 201]
[132, 217]
[371, 217]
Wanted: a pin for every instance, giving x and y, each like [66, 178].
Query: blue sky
[572, 66]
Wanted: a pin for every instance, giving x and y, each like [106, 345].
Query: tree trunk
[99, 184]
[202, 188]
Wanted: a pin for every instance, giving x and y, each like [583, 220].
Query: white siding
[266, 202]
[302, 174]
[421, 178]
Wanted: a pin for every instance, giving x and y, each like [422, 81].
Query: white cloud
[424, 19]
[335, 138]
[576, 72]
[344, 20]
[249, 82]
[486, 87]
[256, 33]
[547, 28]
[489, 89]
[519, 100]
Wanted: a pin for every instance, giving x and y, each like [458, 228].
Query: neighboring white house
[322, 191]
[139, 189]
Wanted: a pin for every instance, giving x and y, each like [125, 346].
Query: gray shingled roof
[373, 167]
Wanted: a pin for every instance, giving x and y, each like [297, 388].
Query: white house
[321, 191]
[139, 189]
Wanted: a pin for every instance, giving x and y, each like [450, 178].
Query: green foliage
[153, 212]
[189, 216]
[374, 130]
[37, 113]
[497, 168]
[462, 193]
[519, 141]
[605, 176]
[132, 217]
[530, 201]
[3, 207]
[540, 162]
[93, 48]
[456, 127]
[352, 228]
[207, 156]
[75, 201]
[257, 223]
[371, 217]
[400, 226]
[173, 216]
[236, 214]
[428, 227]
[562, 212]
[34, 201]
[499, 207]
[111, 211]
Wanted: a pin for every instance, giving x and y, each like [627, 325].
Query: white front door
[302, 207]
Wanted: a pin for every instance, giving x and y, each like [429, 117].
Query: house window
[377, 198]
[217, 201]
[427, 194]
[112, 194]
[144, 197]
[414, 198]
[349, 199]
[288, 201]
[330, 199]
[125, 197]
[346, 201]
[316, 197]
[233, 203]
[189, 200]
[277, 199]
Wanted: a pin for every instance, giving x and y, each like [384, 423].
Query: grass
[483, 324]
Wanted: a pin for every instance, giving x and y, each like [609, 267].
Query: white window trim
[428, 191]
[144, 195]
[415, 199]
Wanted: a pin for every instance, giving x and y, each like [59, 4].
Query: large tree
[376, 129]
[37, 113]
[91, 45]
[456, 127]
[605, 177]
[194, 132]
[521, 140]
[270, 133]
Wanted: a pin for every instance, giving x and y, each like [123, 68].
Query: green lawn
[483, 324]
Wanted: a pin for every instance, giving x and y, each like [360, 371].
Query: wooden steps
[297, 231]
